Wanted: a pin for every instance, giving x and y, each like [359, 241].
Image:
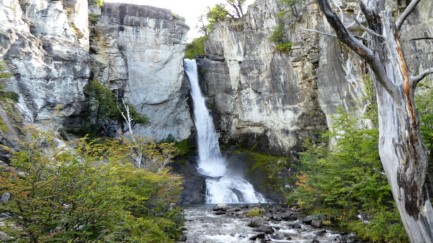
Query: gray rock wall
[44, 46]
[139, 51]
[263, 98]
[271, 100]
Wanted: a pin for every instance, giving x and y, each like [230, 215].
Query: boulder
[257, 222]
[265, 229]
[316, 223]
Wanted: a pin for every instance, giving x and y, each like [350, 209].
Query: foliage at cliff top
[231, 9]
[92, 193]
[195, 48]
[100, 3]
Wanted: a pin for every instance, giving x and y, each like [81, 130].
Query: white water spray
[220, 186]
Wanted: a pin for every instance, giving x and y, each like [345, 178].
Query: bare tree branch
[405, 14]
[358, 47]
[367, 29]
[415, 80]
[342, 33]
[421, 38]
[316, 31]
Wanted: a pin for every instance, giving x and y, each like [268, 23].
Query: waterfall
[222, 185]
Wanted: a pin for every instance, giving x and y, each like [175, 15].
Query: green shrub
[108, 106]
[195, 48]
[254, 212]
[93, 18]
[91, 194]
[5, 95]
[284, 47]
[183, 147]
[348, 179]
[278, 37]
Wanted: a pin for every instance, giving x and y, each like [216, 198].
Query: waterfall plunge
[222, 186]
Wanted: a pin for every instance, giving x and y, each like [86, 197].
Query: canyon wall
[52, 51]
[270, 100]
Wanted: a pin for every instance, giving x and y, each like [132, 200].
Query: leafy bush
[108, 106]
[254, 212]
[92, 193]
[347, 181]
[278, 37]
[195, 48]
[284, 47]
[5, 95]
[93, 18]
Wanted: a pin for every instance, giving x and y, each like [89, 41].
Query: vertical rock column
[138, 50]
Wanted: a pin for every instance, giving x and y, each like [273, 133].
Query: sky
[189, 9]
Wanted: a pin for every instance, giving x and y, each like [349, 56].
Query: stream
[226, 224]
[232, 212]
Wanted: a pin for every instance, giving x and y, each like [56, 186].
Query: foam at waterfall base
[231, 190]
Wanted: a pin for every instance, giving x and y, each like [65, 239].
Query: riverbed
[229, 224]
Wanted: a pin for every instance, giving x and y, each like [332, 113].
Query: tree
[347, 182]
[237, 6]
[108, 108]
[216, 14]
[403, 155]
[219, 13]
[90, 194]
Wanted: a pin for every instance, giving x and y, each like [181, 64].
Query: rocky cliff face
[138, 51]
[44, 46]
[263, 98]
[267, 99]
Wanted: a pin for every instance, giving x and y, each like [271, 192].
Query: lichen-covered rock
[139, 52]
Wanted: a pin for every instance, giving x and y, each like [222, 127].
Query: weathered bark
[402, 153]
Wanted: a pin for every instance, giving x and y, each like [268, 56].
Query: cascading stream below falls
[222, 185]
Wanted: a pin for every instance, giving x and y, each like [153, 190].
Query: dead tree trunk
[402, 153]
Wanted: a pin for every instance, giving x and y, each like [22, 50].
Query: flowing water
[222, 185]
[203, 225]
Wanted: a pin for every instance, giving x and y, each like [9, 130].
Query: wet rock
[221, 207]
[276, 217]
[309, 219]
[182, 238]
[321, 232]
[279, 237]
[289, 216]
[260, 236]
[316, 223]
[257, 222]
[295, 225]
[265, 229]
[193, 183]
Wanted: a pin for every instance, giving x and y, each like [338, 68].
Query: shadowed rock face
[270, 100]
[139, 52]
